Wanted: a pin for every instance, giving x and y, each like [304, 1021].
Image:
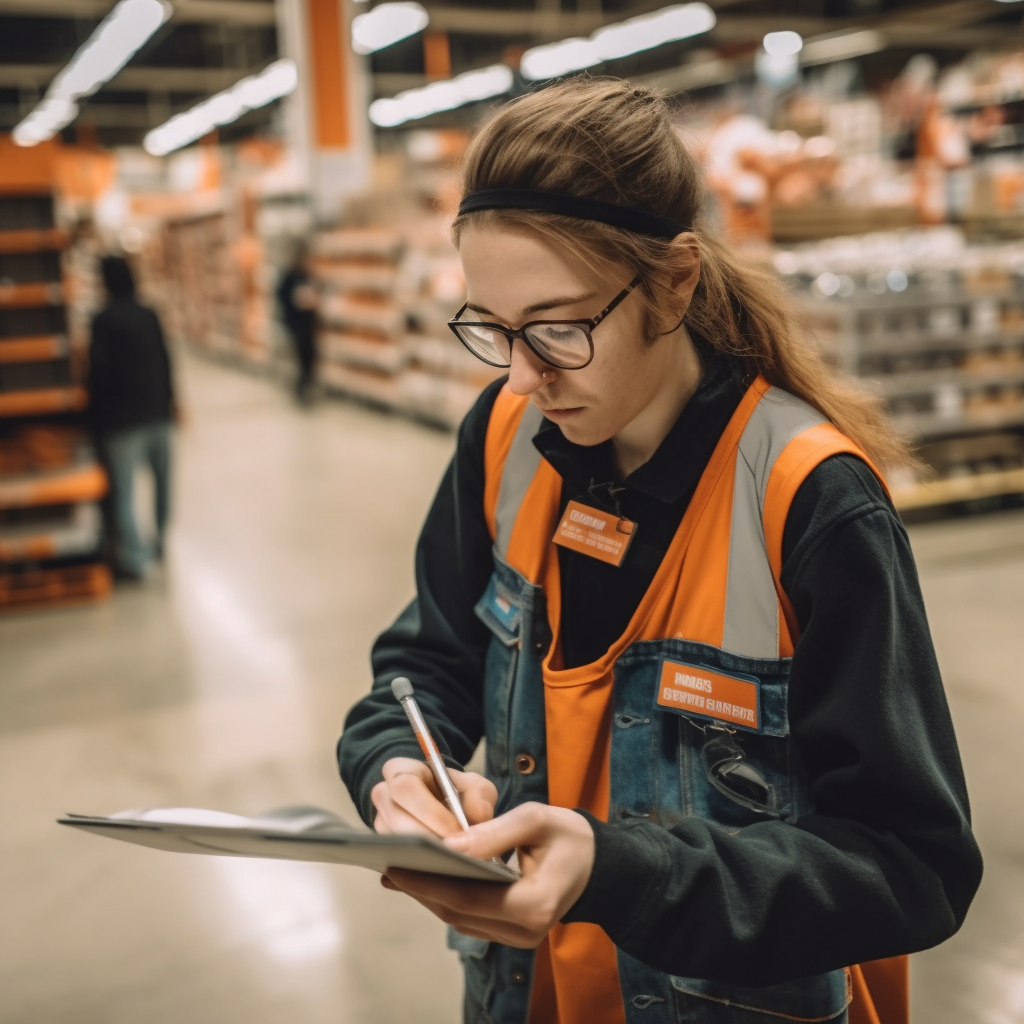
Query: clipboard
[294, 833]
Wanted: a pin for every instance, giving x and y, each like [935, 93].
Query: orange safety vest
[716, 592]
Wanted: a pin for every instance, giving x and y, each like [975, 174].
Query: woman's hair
[608, 140]
[117, 277]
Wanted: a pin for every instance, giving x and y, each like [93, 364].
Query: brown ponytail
[609, 140]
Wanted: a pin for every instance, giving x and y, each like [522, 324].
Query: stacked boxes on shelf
[937, 329]
[443, 379]
[361, 350]
[204, 304]
[50, 526]
[386, 296]
[216, 268]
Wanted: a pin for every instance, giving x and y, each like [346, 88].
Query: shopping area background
[871, 152]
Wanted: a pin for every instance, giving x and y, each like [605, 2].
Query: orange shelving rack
[50, 481]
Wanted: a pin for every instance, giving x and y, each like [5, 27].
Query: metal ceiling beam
[221, 12]
[131, 79]
[940, 25]
[100, 115]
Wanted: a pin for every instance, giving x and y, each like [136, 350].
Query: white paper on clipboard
[292, 833]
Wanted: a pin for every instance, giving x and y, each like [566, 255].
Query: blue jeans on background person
[124, 450]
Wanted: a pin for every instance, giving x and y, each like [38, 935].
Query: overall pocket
[736, 759]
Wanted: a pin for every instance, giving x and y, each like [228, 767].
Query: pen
[402, 689]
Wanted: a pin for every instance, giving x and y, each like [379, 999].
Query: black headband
[626, 217]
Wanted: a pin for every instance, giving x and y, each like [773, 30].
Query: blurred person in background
[664, 580]
[132, 409]
[298, 296]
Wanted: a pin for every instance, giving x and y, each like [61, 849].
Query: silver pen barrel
[434, 759]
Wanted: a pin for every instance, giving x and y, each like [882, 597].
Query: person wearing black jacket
[711, 903]
[132, 408]
[296, 292]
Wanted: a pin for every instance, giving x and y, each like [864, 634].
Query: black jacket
[887, 864]
[129, 381]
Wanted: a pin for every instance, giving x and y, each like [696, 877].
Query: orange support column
[328, 57]
[326, 123]
[437, 55]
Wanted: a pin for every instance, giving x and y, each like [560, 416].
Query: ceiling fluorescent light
[649, 30]
[782, 44]
[386, 24]
[557, 59]
[275, 81]
[114, 42]
[824, 49]
[413, 104]
[681, 21]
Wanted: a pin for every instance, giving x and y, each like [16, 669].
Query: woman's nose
[525, 375]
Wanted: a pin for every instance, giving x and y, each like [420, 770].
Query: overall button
[526, 764]
[518, 977]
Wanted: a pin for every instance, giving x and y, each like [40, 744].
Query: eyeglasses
[563, 344]
[730, 771]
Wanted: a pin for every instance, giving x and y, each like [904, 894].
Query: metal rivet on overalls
[518, 977]
[525, 764]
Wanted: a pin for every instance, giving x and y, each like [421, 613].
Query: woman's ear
[685, 265]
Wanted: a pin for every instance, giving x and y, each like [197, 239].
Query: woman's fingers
[556, 853]
[523, 826]
[410, 801]
[478, 795]
[391, 817]
[466, 922]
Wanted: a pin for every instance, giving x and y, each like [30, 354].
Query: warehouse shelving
[944, 348]
[389, 284]
[50, 483]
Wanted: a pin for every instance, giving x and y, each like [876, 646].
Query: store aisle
[223, 683]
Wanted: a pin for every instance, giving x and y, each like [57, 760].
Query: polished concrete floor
[223, 682]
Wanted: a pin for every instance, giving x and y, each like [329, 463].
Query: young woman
[663, 578]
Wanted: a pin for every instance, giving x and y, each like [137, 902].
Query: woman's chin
[582, 433]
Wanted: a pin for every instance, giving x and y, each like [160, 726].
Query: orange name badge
[699, 691]
[592, 531]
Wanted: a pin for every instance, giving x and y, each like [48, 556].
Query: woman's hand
[408, 801]
[556, 857]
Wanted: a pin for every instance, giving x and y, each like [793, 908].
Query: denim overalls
[656, 768]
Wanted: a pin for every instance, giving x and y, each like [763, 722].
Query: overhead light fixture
[386, 24]
[620, 40]
[777, 62]
[782, 44]
[414, 104]
[117, 38]
[273, 82]
[824, 49]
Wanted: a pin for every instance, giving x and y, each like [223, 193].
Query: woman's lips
[559, 415]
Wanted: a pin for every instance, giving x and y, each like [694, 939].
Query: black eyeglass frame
[587, 326]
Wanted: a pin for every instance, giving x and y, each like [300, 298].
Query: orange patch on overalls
[695, 690]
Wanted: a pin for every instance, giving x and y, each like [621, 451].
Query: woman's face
[513, 277]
